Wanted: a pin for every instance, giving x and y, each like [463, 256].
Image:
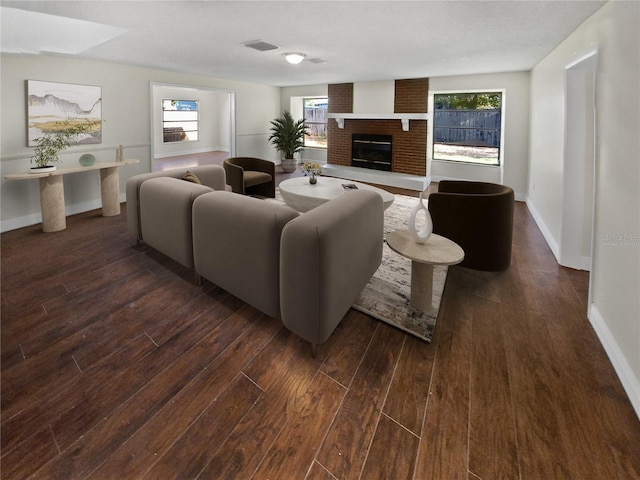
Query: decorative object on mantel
[119, 154]
[87, 160]
[287, 135]
[386, 296]
[58, 138]
[420, 235]
[312, 170]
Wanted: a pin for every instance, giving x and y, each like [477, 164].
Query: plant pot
[46, 169]
[289, 165]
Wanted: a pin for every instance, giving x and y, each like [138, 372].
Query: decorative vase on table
[312, 179]
[420, 235]
[87, 160]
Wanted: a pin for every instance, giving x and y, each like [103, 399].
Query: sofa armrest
[235, 177]
[327, 256]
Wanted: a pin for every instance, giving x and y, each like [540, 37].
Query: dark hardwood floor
[116, 366]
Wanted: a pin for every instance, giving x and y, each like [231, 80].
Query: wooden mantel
[403, 117]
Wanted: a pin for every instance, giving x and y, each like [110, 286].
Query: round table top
[436, 251]
[299, 194]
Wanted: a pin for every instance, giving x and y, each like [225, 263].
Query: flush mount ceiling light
[294, 57]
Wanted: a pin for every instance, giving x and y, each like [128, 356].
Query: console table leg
[422, 286]
[110, 191]
[52, 203]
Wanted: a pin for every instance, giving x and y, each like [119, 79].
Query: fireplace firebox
[371, 151]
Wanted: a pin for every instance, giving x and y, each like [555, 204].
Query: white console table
[52, 191]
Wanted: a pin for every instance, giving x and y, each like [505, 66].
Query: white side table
[436, 251]
[52, 191]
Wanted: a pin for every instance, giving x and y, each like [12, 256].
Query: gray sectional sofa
[306, 269]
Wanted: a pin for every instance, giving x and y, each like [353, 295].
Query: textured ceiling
[361, 40]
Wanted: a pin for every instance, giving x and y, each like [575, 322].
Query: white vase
[422, 235]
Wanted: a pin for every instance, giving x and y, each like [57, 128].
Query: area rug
[386, 296]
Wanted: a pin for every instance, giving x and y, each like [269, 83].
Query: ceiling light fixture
[294, 57]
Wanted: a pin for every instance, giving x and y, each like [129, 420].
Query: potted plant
[287, 135]
[54, 141]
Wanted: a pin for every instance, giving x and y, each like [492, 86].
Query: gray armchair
[251, 176]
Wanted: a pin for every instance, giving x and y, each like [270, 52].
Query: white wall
[213, 120]
[126, 109]
[513, 171]
[614, 308]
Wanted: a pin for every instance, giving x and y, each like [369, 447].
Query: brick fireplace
[409, 152]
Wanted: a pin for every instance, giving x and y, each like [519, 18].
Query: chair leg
[314, 350]
[198, 279]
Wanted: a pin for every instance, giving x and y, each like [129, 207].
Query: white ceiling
[360, 40]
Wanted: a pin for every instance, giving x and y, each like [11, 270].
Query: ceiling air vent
[260, 45]
[316, 60]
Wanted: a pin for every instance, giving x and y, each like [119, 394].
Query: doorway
[579, 164]
[216, 125]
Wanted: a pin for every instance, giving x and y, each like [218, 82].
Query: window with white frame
[315, 115]
[467, 127]
[179, 120]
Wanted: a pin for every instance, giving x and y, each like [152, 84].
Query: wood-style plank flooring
[115, 365]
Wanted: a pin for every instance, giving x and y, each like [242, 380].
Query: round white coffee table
[436, 251]
[300, 195]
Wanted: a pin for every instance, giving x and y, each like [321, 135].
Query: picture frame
[51, 103]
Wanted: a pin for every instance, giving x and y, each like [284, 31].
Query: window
[467, 127]
[179, 120]
[315, 114]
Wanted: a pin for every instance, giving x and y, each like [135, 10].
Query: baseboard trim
[630, 382]
[35, 218]
[391, 179]
[551, 241]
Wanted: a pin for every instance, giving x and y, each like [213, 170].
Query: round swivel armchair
[477, 216]
[251, 176]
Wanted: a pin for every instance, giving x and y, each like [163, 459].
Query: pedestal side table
[436, 251]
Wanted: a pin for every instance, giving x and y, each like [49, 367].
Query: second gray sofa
[308, 269]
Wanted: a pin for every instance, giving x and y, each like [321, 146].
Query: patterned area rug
[386, 296]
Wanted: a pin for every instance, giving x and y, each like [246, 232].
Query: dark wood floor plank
[187, 457]
[293, 452]
[318, 472]
[83, 456]
[493, 451]
[407, 398]
[443, 452]
[160, 432]
[28, 457]
[86, 393]
[392, 453]
[248, 444]
[344, 361]
[94, 387]
[343, 452]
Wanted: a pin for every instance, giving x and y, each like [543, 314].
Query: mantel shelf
[403, 117]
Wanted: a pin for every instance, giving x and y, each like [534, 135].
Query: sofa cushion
[236, 245]
[165, 216]
[212, 176]
[252, 178]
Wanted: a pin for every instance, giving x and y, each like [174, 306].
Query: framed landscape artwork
[50, 105]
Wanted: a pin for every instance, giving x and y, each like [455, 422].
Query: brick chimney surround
[409, 148]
